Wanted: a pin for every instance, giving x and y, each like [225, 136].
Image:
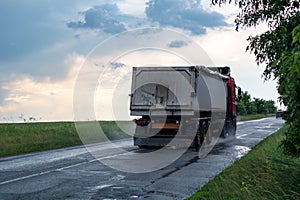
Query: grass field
[253, 117]
[18, 138]
[29, 137]
[264, 173]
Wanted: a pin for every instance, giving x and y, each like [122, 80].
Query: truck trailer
[181, 103]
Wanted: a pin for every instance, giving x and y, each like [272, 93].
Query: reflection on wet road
[72, 173]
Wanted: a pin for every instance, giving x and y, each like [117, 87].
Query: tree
[270, 106]
[241, 109]
[260, 106]
[279, 49]
[244, 104]
[248, 106]
[252, 108]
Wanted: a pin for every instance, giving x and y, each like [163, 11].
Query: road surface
[73, 173]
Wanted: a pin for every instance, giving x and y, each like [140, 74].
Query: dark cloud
[36, 41]
[106, 17]
[177, 44]
[184, 14]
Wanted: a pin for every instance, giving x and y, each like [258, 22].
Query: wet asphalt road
[73, 173]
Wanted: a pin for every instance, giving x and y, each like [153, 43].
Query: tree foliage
[279, 49]
[248, 106]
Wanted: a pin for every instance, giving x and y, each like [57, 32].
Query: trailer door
[167, 87]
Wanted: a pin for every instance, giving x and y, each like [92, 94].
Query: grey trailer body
[175, 100]
[176, 91]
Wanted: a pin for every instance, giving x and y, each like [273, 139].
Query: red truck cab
[231, 114]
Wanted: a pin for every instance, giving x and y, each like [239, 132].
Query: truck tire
[229, 128]
[200, 136]
[224, 132]
[232, 127]
[197, 141]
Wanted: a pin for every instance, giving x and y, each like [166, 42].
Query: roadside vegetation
[241, 118]
[17, 138]
[264, 173]
[248, 106]
[278, 49]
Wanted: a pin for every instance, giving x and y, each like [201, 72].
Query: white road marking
[59, 169]
[43, 173]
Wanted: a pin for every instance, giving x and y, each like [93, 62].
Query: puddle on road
[236, 151]
[240, 151]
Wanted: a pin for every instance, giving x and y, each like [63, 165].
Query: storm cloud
[106, 17]
[184, 14]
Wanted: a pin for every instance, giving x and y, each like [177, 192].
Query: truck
[181, 103]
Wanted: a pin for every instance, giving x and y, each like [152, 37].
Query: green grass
[29, 137]
[253, 117]
[18, 138]
[264, 173]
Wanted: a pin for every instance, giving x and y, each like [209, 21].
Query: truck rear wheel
[200, 136]
[224, 132]
[232, 127]
[229, 128]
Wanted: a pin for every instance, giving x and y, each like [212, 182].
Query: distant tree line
[249, 106]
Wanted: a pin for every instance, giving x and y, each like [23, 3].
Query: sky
[48, 46]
